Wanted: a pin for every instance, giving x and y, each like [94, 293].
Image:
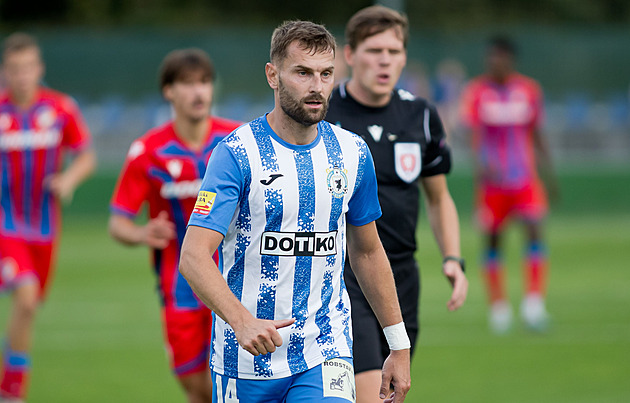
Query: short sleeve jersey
[32, 146]
[164, 173]
[407, 141]
[283, 210]
[502, 119]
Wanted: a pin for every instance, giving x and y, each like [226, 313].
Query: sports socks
[16, 367]
[494, 276]
[535, 272]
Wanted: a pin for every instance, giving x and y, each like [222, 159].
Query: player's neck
[289, 130]
[23, 100]
[501, 78]
[366, 97]
[192, 132]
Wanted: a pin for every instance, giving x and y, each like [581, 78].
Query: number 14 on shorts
[230, 391]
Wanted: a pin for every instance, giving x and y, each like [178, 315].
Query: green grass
[98, 337]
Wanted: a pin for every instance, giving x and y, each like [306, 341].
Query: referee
[407, 141]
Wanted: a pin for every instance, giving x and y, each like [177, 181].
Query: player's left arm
[545, 164]
[541, 147]
[371, 267]
[76, 136]
[444, 222]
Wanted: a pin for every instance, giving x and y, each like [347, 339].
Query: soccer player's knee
[26, 300]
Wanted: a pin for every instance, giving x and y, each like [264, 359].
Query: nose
[199, 88]
[385, 58]
[317, 83]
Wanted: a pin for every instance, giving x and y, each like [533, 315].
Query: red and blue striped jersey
[503, 118]
[165, 173]
[32, 145]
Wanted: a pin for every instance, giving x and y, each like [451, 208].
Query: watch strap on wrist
[462, 262]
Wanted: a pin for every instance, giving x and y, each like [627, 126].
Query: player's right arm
[132, 190]
[156, 233]
[257, 336]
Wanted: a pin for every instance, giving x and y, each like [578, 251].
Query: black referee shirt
[407, 141]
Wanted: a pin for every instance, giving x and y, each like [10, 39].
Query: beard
[296, 110]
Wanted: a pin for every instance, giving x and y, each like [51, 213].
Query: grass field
[98, 337]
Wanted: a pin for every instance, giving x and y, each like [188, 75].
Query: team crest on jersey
[45, 117]
[408, 161]
[337, 181]
[205, 201]
[174, 168]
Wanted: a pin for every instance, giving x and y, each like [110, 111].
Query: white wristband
[396, 336]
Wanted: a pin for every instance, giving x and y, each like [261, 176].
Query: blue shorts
[331, 381]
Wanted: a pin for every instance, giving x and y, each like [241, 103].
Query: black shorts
[370, 347]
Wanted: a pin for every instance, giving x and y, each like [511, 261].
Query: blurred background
[105, 53]
[99, 337]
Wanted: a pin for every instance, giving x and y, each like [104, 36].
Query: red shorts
[25, 261]
[495, 205]
[187, 335]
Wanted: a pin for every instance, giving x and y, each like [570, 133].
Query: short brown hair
[374, 20]
[17, 42]
[312, 37]
[181, 61]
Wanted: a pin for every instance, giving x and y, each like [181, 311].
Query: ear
[347, 54]
[271, 71]
[167, 92]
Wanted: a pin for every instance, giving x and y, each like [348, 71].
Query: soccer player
[37, 126]
[280, 199]
[406, 138]
[504, 110]
[164, 170]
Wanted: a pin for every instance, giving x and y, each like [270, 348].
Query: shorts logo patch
[204, 203]
[338, 379]
[8, 269]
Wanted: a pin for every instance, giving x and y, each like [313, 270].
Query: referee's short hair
[372, 21]
[18, 42]
[312, 37]
[181, 61]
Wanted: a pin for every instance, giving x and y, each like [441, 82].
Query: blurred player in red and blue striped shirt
[37, 126]
[164, 169]
[504, 110]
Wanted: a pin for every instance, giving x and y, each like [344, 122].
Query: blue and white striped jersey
[283, 210]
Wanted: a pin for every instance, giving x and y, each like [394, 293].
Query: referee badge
[337, 181]
[408, 160]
